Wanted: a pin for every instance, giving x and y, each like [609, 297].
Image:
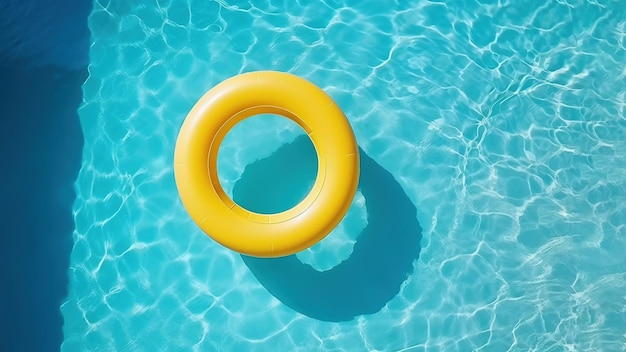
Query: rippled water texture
[501, 124]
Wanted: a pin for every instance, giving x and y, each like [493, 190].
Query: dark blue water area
[43, 63]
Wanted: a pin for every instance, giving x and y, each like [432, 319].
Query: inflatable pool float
[244, 231]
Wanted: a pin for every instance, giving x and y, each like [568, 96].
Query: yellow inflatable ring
[195, 164]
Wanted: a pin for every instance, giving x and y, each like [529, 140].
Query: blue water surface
[491, 209]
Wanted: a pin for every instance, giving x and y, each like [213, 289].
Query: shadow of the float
[383, 255]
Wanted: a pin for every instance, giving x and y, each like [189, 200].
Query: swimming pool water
[493, 135]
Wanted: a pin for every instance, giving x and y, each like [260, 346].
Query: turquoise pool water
[493, 198]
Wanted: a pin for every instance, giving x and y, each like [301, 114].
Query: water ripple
[502, 122]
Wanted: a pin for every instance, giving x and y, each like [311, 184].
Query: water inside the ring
[273, 189]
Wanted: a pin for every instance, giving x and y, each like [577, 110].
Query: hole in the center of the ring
[278, 184]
